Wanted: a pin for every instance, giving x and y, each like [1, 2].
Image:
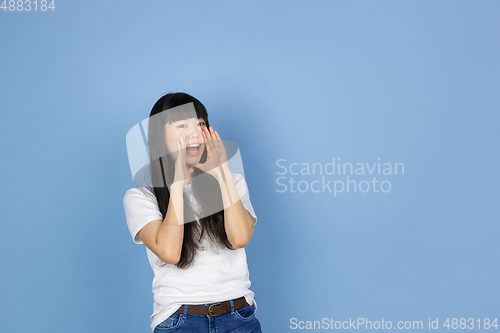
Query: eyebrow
[186, 121]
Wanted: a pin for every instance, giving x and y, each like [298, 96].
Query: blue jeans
[237, 321]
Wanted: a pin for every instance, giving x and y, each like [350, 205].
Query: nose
[194, 132]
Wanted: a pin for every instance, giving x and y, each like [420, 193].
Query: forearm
[171, 233]
[237, 221]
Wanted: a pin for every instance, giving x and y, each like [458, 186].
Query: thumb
[179, 153]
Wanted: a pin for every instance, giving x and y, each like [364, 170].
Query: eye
[180, 126]
[201, 123]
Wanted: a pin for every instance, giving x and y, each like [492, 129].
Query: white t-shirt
[217, 274]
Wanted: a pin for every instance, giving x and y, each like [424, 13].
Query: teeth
[194, 145]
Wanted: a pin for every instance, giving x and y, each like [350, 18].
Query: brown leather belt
[215, 309]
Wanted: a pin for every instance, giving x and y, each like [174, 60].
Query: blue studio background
[410, 82]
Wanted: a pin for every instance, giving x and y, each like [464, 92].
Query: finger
[218, 140]
[207, 145]
[206, 142]
[209, 157]
[216, 143]
[205, 137]
[178, 152]
[178, 161]
[183, 148]
[212, 134]
[209, 141]
[212, 137]
[181, 136]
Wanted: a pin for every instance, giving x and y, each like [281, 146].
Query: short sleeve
[140, 209]
[242, 188]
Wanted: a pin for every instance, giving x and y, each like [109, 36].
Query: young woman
[195, 218]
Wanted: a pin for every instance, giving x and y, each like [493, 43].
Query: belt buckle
[210, 310]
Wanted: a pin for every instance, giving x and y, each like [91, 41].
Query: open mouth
[193, 149]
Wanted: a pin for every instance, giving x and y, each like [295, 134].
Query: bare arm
[164, 238]
[237, 221]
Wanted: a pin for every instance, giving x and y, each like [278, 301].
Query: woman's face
[190, 129]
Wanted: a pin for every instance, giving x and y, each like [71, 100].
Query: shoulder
[138, 193]
[242, 188]
[134, 191]
[237, 177]
[239, 180]
[240, 184]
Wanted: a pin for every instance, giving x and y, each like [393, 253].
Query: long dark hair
[162, 170]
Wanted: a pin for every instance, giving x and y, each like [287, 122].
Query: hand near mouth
[183, 172]
[216, 153]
